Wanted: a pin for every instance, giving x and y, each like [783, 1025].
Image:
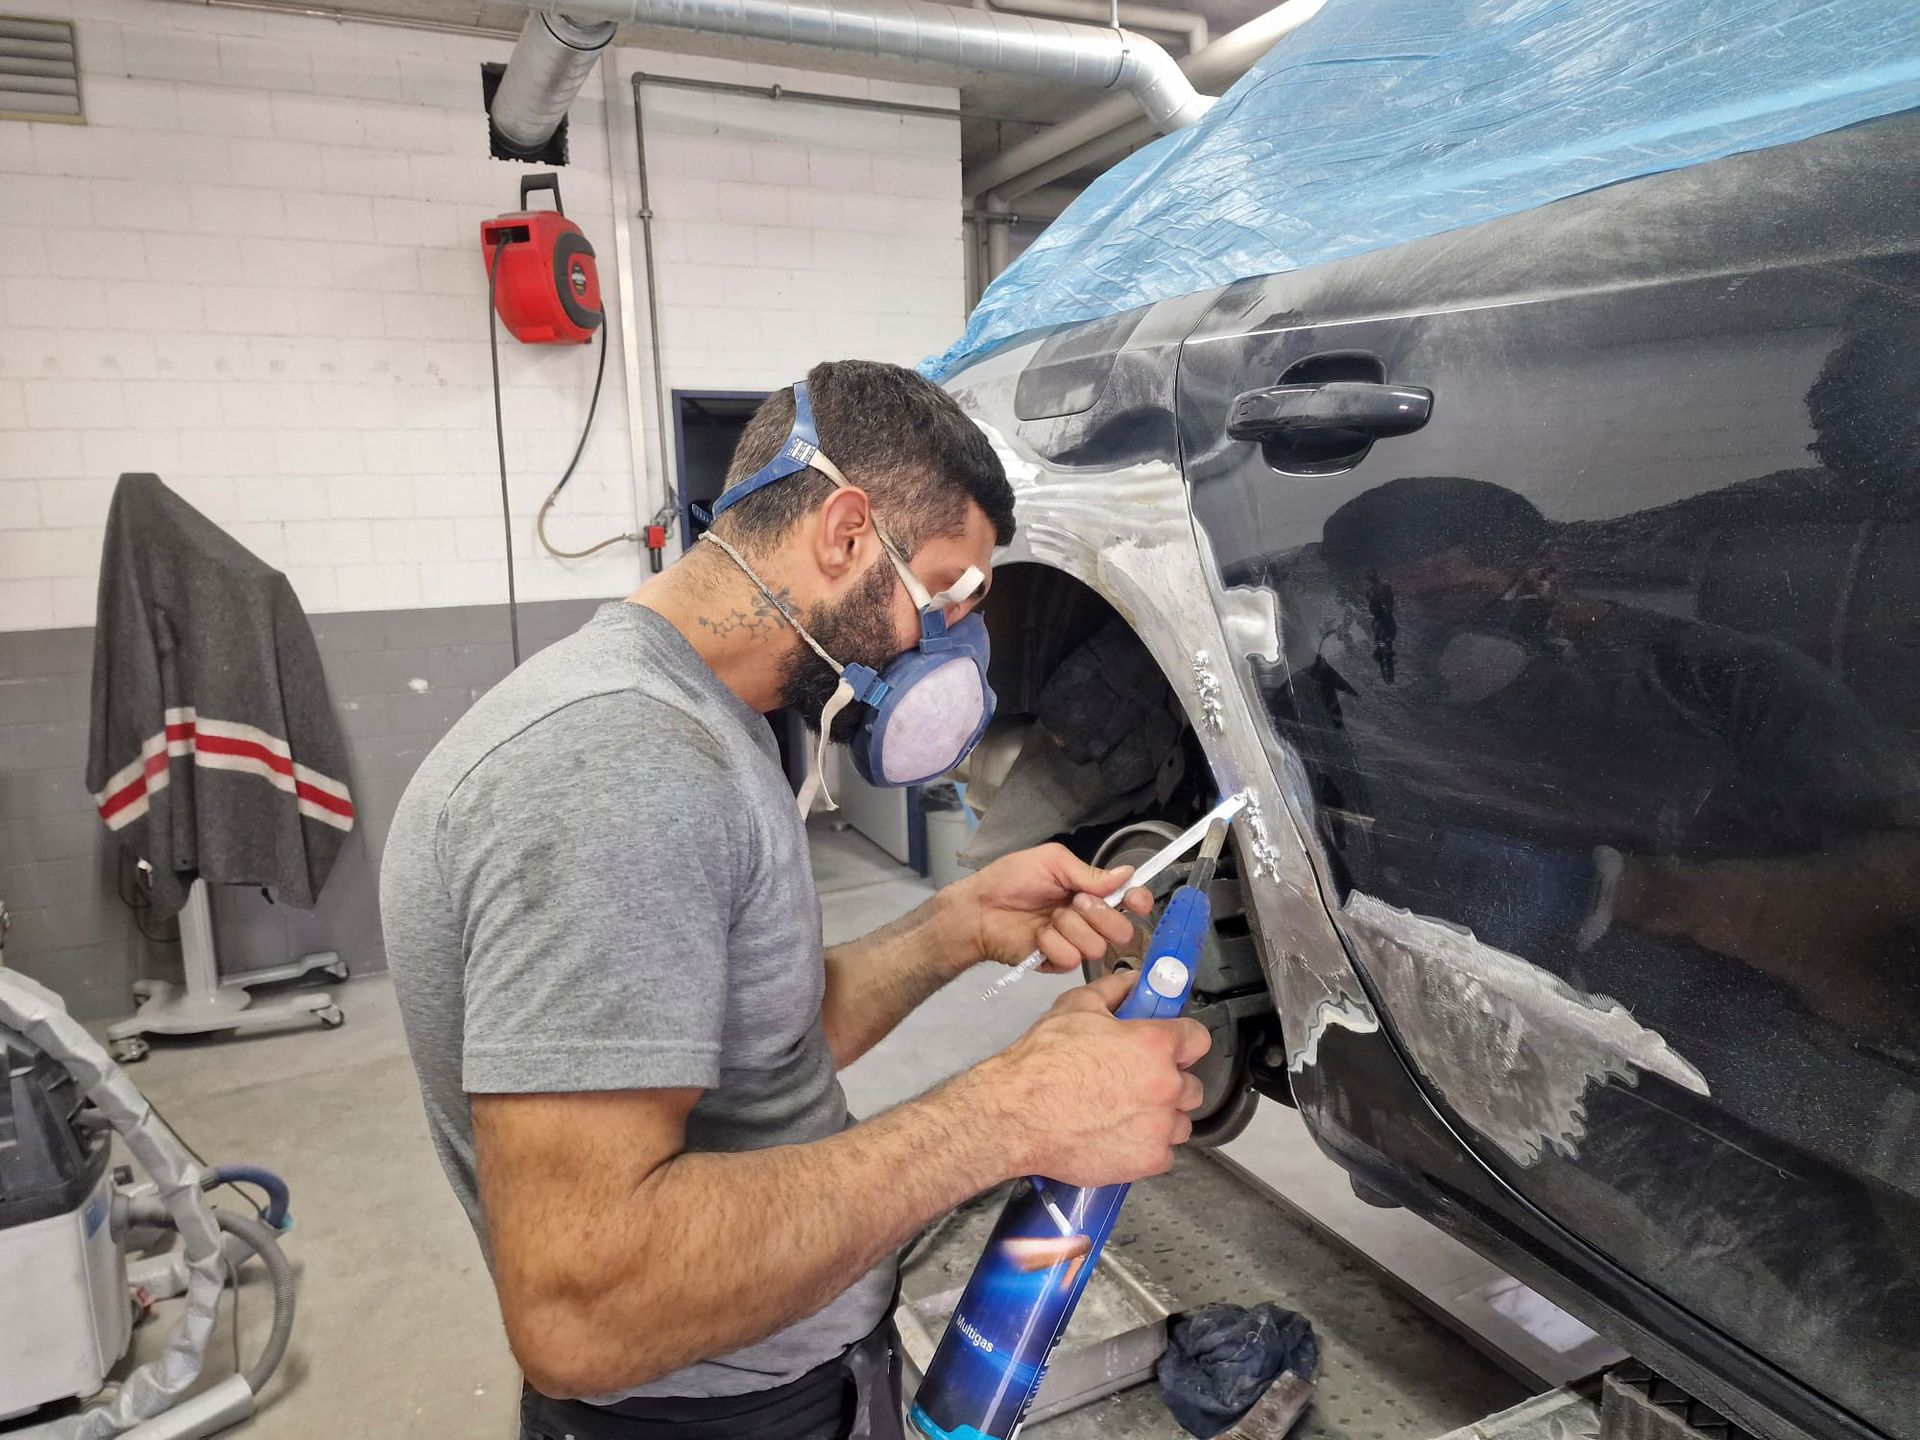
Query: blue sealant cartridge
[993, 1356]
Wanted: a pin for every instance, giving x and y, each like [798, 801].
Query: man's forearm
[1798, 917]
[712, 1252]
[875, 982]
[1046, 898]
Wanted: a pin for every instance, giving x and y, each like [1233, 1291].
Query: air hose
[540, 520]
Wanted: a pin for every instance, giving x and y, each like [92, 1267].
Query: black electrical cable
[500, 442]
[210, 1183]
[129, 889]
[593, 404]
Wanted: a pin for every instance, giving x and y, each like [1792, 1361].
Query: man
[606, 942]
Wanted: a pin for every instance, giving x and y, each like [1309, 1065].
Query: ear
[843, 532]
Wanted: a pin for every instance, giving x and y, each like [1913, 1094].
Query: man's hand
[1045, 899]
[1091, 1100]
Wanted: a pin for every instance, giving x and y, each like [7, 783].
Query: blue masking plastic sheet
[1380, 121]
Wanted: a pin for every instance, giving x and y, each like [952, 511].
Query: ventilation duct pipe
[1100, 12]
[1217, 66]
[935, 34]
[551, 61]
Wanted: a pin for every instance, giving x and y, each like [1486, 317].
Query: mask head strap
[970, 579]
[773, 600]
[802, 450]
[816, 781]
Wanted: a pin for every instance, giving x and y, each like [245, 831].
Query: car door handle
[1357, 407]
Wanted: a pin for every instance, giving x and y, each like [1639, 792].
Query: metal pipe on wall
[623, 212]
[999, 239]
[971, 262]
[345, 16]
[990, 234]
[809, 97]
[1042, 207]
[668, 490]
[1081, 157]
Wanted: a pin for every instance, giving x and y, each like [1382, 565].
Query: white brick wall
[790, 233]
[255, 271]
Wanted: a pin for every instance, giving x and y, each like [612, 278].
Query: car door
[1595, 539]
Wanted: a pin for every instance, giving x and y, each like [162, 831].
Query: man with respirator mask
[603, 931]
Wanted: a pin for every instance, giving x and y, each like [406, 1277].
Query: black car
[1553, 585]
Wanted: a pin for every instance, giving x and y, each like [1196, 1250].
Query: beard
[856, 631]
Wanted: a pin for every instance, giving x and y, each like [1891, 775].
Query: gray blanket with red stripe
[214, 751]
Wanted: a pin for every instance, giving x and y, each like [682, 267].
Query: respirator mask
[1458, 663]
[927, 708]
[1478, 661]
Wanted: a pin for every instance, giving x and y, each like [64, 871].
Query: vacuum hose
[258, 1237]
[272, 1184]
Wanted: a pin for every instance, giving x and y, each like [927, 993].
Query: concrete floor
[397, 1331]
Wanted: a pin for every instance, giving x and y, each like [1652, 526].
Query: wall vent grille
[39, 71]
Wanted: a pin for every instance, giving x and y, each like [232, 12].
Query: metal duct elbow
[1159, 84]
[551, 61]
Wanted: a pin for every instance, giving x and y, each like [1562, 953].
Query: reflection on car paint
[1612, 666]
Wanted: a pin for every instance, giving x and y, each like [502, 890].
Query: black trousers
[855, 1396]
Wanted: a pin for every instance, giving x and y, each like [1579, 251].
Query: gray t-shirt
[599, 881]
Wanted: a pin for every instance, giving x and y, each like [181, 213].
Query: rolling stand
[206, 1003]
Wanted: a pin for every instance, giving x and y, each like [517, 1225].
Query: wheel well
[1037, 617]
[1046, 625]
[1050, 632]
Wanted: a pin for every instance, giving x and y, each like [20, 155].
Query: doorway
[706, 428]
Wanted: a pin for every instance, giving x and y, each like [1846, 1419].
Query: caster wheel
[128, 1051]
[339, 971]
[332, 1018]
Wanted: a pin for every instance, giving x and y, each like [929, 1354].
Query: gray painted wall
[399, 680]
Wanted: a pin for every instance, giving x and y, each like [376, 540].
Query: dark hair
[892, 432]
[1424, 515]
